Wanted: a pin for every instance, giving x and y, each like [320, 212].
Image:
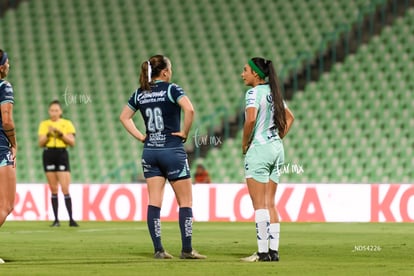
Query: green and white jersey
[264, 131]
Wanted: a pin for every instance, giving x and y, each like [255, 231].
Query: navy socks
[154, 226]
[186, 228]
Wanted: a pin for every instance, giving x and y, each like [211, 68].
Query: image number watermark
[366, 248]
[76, 98]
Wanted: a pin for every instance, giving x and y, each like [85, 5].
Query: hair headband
[256, 69]
[149, 71]
[3, 58]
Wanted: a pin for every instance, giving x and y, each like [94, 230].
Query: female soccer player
[55, 135]
[267, 121]
[8, 145]
[160, 103]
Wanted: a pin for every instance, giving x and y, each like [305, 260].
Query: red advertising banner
[225, 202]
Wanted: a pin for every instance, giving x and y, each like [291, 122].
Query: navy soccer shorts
[170, 163]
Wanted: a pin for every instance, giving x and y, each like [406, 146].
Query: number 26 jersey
[161, 113]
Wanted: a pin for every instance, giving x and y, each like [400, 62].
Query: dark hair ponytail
[153, 67]
[279, 116]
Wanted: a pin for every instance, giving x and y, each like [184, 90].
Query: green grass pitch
[124, 248]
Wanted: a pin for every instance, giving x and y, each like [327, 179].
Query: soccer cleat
[56, 223]
[73, 223]
[162, 255]
[274, 255]
[2, 261]
[257, 257]
[192, 255]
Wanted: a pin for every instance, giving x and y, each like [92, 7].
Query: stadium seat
[96, 49]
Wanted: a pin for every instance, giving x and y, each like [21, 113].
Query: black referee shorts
[56, 160]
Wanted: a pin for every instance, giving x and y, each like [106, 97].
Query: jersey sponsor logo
[249, 101]
[173, 172]
[153, 97]
[157, 137]
[272, 133]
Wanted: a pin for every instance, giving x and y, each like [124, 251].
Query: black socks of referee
[68, 203]
[185, 216]
[55, 206]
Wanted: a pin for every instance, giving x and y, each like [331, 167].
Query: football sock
[262, 219]
[154, 226]
[274, 234]
[68, 203]
[55, 205]
[185, 215]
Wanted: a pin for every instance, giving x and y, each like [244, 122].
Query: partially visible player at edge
[160, 103]
[267, 121]
[8, 144]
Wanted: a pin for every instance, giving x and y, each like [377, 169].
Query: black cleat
[73, 223]
[274, 255]
[56, 223]
[264, 257]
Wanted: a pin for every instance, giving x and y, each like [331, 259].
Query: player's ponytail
[151, 69]
[267, 69]
[145, 77]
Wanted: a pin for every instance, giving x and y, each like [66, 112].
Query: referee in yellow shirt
[55, 134]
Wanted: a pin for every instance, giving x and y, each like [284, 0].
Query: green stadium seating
[95, 48]
[354, 124]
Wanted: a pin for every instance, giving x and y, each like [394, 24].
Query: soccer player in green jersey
[267, 121]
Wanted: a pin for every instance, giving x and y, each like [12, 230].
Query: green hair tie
[256, 69]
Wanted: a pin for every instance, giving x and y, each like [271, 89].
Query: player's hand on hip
[180, 134]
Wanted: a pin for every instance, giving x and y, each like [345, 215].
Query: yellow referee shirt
[63, 125]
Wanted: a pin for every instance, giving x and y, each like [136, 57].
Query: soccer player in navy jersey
[160, 104]
[8, 145]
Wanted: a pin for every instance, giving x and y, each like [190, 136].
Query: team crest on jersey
[269, 98]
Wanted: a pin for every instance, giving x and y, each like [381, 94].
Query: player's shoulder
[5, 86]
[4, 83]
[66, 122]
[251, 92]
[137, 91]
[44, 122]
[176, 86]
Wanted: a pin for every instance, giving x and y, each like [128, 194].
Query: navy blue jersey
[6, 96]
[161, 113]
